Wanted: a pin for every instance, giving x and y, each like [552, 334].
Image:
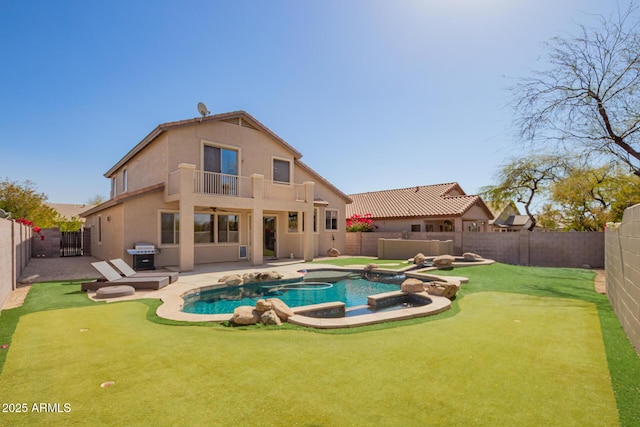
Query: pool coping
[172, 303]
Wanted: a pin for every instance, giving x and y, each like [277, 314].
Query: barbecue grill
[143, 256]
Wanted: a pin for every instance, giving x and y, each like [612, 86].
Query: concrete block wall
[622, 269]
[15, 252]
[501, 247]
[50, 246]
[404, 248]
[524, 248]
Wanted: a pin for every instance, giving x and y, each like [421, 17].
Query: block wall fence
[548, 249]
[622, 270]
[15, 253]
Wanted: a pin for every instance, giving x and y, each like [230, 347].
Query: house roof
[421, 201]
[516, 221]
[69, 210]
[243, 118]
[121, 198]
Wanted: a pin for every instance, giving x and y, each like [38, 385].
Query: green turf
[526, 347]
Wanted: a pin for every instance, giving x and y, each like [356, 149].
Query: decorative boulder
[443, 261]
[333, 252]
[281, 309]
[273, 275]
[419, 259]
[245, 315]
[442, 289]
[270, 318]
[263, 305]
[370, 267]
[412, 286]
[470, 256]
[29, 280]
[233, 280]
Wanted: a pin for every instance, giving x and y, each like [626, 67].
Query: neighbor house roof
[439, 200]
[69, 210]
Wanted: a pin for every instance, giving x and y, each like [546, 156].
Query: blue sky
[375, 94]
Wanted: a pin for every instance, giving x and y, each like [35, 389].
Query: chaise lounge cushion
[115, 291]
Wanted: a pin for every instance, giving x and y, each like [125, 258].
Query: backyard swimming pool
[350, 288]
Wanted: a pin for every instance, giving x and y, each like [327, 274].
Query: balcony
[225, 185]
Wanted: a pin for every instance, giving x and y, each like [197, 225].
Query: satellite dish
[202, 109]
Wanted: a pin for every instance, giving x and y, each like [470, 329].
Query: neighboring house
[427, 208]
[507, 218]
[70, 211]
[213, 189]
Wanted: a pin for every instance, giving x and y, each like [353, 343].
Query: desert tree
[587, 98]
[22, 200]
[524, 180]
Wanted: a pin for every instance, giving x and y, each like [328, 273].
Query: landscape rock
[245, 315]
[442, 289]
[281, 309]
[333, 252]
[263, 305]
[470, 256]
[233, 280]
[370, 267]
[419, 259]
[443, 261]
[412, 286]
[270, 318]
[29, 280]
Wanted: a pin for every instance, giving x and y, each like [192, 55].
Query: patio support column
[308, 239]
[257, 226]
[186, 246]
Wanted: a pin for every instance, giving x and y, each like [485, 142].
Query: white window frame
[124, 181]
[337, 219]
[298, 227]
[217, 241]
[166, 245]
[204, 142]
[114, 186]
[282, 159]
[99, 226]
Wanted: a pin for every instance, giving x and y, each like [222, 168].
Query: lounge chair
[113, 278]
[124, 268]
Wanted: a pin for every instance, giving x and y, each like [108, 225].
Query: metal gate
[71, 243]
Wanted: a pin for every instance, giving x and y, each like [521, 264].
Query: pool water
[352, 290]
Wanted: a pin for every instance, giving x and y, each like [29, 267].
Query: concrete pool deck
[208, 275]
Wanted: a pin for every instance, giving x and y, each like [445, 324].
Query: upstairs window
[124, 181]
[114, 186]
[281, 171]
[220, 160]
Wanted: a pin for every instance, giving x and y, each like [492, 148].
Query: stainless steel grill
[143, 249]
[143, 256]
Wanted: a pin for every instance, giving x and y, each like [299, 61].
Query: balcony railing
[221, 184]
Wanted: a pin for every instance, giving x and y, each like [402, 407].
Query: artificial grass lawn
[514, 354]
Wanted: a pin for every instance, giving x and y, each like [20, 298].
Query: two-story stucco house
[216, 189]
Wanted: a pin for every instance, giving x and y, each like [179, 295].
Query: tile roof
[421, 201]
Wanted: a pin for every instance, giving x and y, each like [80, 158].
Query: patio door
[269, 241]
